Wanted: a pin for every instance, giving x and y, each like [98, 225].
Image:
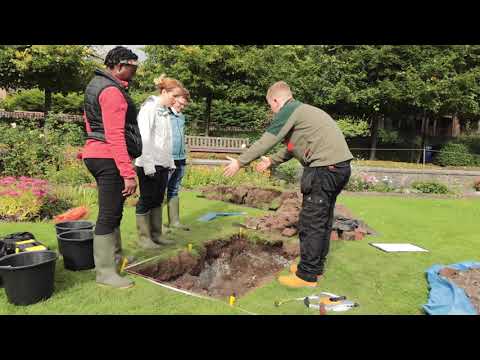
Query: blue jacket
[178, 135]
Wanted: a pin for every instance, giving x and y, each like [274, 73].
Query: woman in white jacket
[156, 160]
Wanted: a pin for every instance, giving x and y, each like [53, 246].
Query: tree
[206, 70]
[51, 68]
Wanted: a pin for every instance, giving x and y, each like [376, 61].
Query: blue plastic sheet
[446, 298]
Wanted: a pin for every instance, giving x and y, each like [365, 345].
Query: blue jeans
[175, 179]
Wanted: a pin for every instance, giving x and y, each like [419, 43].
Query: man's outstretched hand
[264, 164]
[232, 168]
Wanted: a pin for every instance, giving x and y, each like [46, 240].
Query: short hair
[165, 83]
[186, 94]
[279, 89]
[118, 54]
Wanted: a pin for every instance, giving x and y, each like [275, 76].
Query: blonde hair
[165, 83]
[280, 89]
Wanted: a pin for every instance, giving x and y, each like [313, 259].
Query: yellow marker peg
[231, 300]
[124, 264]
[190, 247]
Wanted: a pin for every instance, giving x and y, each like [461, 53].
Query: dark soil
[468, 280]
[225, 267]
[287, 205]
[242, 195]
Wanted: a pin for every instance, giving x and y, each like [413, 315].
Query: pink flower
[39, 193]
[13, 193]
[7, 180]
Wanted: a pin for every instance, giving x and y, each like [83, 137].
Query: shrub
[430, 187]
[288, 171]
[27, 199]
[68, 169]
[199, 176]
[27, 150]
[85, 195]
[365, 182]
[34, 100]
[455, 154]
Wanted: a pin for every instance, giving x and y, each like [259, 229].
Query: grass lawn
[382, 283]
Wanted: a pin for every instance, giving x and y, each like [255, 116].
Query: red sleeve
[114, 110]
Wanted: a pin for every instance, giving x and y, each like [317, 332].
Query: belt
[342, 164]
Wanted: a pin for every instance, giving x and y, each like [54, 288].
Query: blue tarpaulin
[446, 298]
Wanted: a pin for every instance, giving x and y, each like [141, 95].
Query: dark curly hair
[118, 54]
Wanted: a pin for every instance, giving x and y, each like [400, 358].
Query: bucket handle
[6, 267]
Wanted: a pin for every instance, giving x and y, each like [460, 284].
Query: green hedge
[34, 99]
[460, 152]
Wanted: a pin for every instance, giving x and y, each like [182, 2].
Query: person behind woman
[178, 152]
[113, 141]
[156, 161]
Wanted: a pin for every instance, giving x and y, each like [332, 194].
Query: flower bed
[27, 199]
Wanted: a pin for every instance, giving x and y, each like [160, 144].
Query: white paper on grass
[398, 247]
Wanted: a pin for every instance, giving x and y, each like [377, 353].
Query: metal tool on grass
[323, 301]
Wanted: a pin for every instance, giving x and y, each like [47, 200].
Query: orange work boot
[294, 281]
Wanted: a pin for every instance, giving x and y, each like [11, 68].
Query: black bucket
[28, 277]
[71, 226]
[77, 249]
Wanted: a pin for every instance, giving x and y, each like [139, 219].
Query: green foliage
[456, 154]
[84, 195]
[30, 151]
[66, 133]
[391, 137]
[430, 187]
[353, 127]
[198, 176]
[34, 100]
[288, 171]
[51, 68]
[364, 182]
[25, 100]
[225, 113]
[27, 151]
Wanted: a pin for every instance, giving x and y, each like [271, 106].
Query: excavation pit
[224, 267]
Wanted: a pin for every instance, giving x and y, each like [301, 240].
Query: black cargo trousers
[320, 187]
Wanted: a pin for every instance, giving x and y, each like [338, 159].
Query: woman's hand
[130, 187]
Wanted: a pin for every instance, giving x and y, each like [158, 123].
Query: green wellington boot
[156, 221]
[105, 268]
[144, 229]
[174, 214]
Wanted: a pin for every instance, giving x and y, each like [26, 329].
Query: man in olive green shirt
[313, 138]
